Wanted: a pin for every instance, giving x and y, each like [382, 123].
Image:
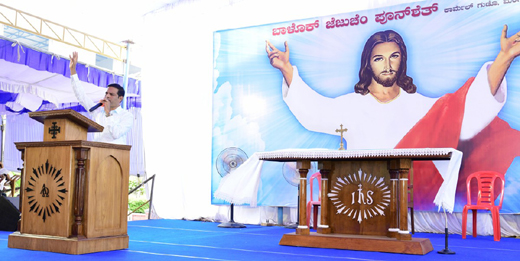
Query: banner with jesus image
[419, 75]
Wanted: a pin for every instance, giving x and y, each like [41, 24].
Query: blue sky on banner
[445, 49]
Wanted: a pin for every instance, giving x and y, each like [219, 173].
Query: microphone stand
[446, 251]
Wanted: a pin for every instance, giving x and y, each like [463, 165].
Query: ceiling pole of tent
[127, 68]
[3, 138]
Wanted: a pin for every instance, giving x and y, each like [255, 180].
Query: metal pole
[446, 250]
[3, 138]
[127, 69]
[151, 198]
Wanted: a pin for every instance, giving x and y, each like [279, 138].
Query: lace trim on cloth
[348, 154]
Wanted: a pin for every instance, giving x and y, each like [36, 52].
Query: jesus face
[384, 62]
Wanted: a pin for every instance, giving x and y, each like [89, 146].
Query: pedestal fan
[228, 160]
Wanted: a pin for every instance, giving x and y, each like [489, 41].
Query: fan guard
[229, 159]
[291, 173]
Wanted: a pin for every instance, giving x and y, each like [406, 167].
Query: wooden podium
[74, 196]
[364, 199]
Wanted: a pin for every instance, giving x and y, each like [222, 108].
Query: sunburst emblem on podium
[358, 197]
[45, 191]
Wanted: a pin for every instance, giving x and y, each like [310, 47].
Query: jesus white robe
[375, 125]
[466, 120]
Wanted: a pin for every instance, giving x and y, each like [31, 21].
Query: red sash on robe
[494, 148]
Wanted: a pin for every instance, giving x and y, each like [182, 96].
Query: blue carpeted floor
[193, 240]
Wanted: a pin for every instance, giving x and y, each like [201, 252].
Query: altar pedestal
[74, 195]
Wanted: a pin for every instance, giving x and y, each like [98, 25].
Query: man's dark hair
[120, 90]
[365, 72]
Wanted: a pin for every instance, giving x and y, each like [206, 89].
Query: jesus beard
[386, 81]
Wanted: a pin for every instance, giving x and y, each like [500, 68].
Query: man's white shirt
[116, 125]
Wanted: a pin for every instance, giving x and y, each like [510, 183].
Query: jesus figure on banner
[386, 112]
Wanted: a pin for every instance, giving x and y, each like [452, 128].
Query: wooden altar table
[364, 198]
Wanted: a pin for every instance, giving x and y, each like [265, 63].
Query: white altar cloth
[241, 185]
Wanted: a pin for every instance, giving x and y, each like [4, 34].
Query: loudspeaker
[9, 215]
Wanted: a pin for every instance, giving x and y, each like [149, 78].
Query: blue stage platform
[166, 239]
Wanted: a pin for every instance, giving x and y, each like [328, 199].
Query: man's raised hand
[73, 62]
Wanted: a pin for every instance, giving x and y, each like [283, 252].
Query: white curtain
[436, 223]
[19, 128]
[135, 138]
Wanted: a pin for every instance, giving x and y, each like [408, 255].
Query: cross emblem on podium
[341, 130]
[54, 130]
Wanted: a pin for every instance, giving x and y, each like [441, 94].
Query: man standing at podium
[116, 121]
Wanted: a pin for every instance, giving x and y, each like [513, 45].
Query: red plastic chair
[485, 200]
[314, 204]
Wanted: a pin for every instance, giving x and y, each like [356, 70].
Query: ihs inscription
[360, 196]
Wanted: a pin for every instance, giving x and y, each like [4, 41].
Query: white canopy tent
[42, 89]
[39, 85]
[31, 80]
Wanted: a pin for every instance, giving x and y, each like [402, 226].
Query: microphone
[95, 107]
